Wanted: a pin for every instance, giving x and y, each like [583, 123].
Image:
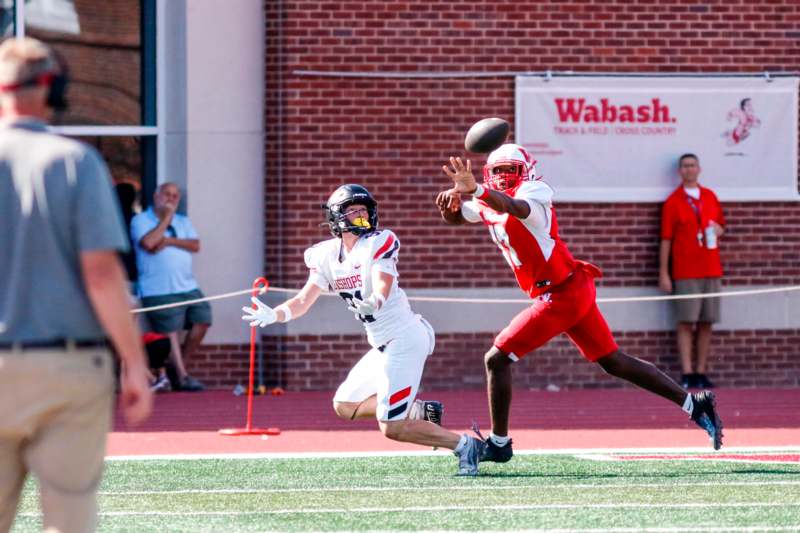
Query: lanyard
[697, 207]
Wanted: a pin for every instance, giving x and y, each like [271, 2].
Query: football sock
[688, 404]
[461, 443]
[500, 441]
[416, 413]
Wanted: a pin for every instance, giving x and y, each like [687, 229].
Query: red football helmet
[495, 174]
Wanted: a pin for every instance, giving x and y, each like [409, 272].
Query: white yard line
[450, 488]
[425, 453]
[720, 458]
[382, 510]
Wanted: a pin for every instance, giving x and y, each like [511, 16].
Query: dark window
[102, 43]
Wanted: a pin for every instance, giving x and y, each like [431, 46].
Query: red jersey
[539, 258]
[683, 221]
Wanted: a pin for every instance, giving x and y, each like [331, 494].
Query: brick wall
[392, 135]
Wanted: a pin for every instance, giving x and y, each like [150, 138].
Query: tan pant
[697, 309]
[55, 412]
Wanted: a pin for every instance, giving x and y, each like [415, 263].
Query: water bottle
[711, 237]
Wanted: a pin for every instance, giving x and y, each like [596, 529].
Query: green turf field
[532, 492]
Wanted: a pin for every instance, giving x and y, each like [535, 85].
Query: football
[486, 135]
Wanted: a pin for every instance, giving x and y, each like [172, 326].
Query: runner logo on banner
[612, 139]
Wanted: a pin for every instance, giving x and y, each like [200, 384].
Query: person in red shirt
[691, 224]
[518, 211]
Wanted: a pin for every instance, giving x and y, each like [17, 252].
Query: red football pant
[569, 308]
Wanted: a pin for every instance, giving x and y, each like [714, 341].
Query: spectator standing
[691, 224]
[164, 242]
[62, 290]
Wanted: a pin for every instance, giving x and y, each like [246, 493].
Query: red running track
[187, 423]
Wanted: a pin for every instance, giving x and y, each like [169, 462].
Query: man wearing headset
[62, 293]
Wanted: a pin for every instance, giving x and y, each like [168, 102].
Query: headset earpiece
[56, 95]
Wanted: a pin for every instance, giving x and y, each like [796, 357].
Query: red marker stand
[258, 284]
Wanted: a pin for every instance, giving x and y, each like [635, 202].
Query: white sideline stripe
[428, 453]
[721, 458]
[663, 529]
[748, 292]
[597, 457]
[451, 488]
[452, 508]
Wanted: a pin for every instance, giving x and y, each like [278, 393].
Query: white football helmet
[508, 155]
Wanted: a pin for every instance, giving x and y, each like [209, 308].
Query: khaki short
[55, 412]
[697, 309]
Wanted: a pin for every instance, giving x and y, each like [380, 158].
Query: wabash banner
[619, 138]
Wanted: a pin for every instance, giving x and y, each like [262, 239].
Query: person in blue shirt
[164, 242]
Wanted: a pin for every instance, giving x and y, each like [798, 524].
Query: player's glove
[368, 306]
[262, 316]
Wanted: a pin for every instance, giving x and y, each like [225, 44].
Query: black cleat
[432, 411]
[427, 410]
[704, 414]
[493, 453]
[703, 382]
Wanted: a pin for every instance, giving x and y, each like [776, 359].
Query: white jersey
[350, 275]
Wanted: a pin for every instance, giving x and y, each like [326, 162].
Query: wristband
[379, 299]
[480, 192]
[287, 313]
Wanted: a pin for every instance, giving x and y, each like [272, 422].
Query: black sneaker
[161, 384]
[497, 454]
[190, 384]
[690, 381]
[703, 382]
[705, 415]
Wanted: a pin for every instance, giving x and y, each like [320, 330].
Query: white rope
[689, 296]
[197, 300]
[444, 299]
[599, 300]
